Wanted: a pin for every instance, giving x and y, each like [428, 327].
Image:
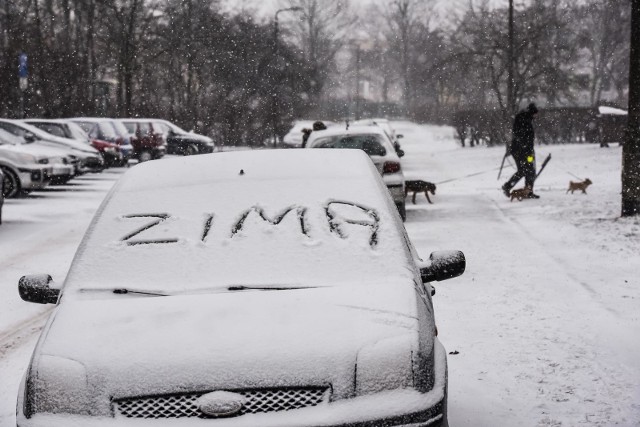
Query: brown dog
[520, 193]
[419, 186]
[573, 186]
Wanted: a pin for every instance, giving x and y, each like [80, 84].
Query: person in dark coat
[522, 151]
[306, 132]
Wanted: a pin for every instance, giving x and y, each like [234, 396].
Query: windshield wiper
[266, 288]
[133, 291]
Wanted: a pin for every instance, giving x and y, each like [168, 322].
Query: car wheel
[402, 210]
[191, 150]
[145, 156]
[11, 187]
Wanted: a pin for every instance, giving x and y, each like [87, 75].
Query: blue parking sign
[22, 65]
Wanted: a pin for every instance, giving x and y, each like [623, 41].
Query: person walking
[522, 151]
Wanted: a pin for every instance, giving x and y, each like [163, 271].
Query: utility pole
[510, 95]
[631, 148]
[357, 112]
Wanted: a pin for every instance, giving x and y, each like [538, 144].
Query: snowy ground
[545, 321]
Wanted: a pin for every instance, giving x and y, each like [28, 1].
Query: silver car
[25, 167]
[261, 288]
[376, 143]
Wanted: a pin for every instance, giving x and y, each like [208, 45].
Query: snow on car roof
[611, 110]
[268, 218]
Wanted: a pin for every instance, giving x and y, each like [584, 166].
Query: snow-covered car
[62, 157]
[107, 130]
[375, 142]
[385, 125]
[262, 288]
[1, 193]
[179, 141]
[25, 167]
[90, 158]
[293, 138]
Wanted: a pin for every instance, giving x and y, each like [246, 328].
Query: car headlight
[43, 161]
[57, 385]
[385, 365]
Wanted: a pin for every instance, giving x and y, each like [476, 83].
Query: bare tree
[604, 34]
[631, 149]
[321, 32]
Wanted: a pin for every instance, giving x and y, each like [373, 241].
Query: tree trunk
[631, 150]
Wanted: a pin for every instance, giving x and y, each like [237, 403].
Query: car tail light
[390, 167]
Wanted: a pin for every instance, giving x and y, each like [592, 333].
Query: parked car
[24, 167]
[375, 142]
[90, 158]
[385, 125]
[149, 142]
[261, 288]
[62, 157]
[105, 130]
[179, 141]
[1, 192]
[293, 138]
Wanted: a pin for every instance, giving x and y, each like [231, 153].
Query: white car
[25, 167]
[265, 288]
[293, 138]
[375, 142]
[91, 160]
[63, 153]
[385, 125]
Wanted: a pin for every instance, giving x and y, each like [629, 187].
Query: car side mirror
[443, 265]
[400, 152]
[29, 137]
[36, 288]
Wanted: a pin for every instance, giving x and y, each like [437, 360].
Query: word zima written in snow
[337, 218]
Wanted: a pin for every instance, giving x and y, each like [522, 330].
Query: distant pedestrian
[521, 149]
[305, 136]
[306, 132]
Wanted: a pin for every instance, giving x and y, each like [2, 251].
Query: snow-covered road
[544, 323]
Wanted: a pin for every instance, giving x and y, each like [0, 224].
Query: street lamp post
[275, 61]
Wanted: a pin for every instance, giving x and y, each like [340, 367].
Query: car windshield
[131, 127]
[369, 143]
[120, 128]
[77, 132]
[52, 128]
[9, 138]
[107, 130]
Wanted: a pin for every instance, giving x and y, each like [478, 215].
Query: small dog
[419, 186]
[520, 193]
[573, 186]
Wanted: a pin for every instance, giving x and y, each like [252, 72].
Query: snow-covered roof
[276, 217]
[611, 110]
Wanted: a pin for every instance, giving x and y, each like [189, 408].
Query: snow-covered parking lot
[542, 329]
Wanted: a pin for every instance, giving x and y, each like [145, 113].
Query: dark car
[179, 141]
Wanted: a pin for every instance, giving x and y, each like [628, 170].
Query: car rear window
[370, 144]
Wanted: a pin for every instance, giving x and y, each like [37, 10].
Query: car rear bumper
[397, 408]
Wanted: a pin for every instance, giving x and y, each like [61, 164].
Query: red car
[110, 151]
[148, 143]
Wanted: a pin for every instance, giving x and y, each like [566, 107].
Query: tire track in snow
[21, 332]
